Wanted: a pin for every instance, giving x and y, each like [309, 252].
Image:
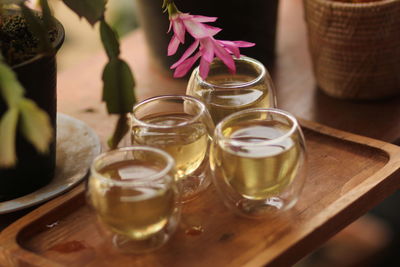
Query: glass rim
[293, 128]
[240, 85]
[162, 97]
[170, 162]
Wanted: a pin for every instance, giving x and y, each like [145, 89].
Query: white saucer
[77, 146]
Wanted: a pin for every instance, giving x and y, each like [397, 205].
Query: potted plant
[29, 42]
[29, 60]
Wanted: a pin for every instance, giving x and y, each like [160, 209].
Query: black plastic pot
[253, 21]
[34, 170]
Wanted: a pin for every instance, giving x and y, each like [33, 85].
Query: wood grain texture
[347, 175]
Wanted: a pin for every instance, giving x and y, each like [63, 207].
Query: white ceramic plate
[77, 146]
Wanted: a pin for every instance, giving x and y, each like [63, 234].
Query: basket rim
[334, 3]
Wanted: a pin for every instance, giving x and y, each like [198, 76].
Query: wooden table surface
[79, 88]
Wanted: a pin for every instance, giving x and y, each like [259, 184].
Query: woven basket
[355, 47]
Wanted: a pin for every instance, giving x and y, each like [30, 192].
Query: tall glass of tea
[181, 126]
[258, 161]
[224, 92]
[134, 194]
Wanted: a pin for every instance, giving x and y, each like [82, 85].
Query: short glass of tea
[224, 92]
[134, 195]
[181, 126]
[258, 161]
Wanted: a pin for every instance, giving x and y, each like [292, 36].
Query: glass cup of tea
[225, 93]
[258, 161]
[134, 195]
[181, 126]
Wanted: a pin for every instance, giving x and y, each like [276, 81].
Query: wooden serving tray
[347, 175]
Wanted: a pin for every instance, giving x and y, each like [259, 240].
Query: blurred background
[82, 40]
[370, 241]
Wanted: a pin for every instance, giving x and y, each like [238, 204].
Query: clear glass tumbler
[258, 161]
[225, 93]
[134, 195]
[181, 126]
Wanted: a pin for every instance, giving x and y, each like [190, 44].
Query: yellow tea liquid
[137, 211]
[187, 144]
[254, 170]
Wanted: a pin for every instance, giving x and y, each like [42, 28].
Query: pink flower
[209, 47]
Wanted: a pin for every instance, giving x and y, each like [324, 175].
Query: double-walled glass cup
[134, 195]
[258, 161]
[181, 126]
[225, 93]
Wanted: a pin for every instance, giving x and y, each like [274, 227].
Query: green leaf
[109, 39]
[91, 10]
[8, 125]
[121, 129]
[36, 26]
[10, 88]
[35, 125]
[165, 4]
[118, 84]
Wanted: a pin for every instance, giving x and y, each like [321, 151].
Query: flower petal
[173, 45]
[185, 16]
[185, 66]
[187, 53]
[231, 47]
[207, 49]
[212, 30]
[204, 68]
[224, 56]
[243, 43]
[200, 18]
[196, 29]
[170, 26]
[179, 29]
